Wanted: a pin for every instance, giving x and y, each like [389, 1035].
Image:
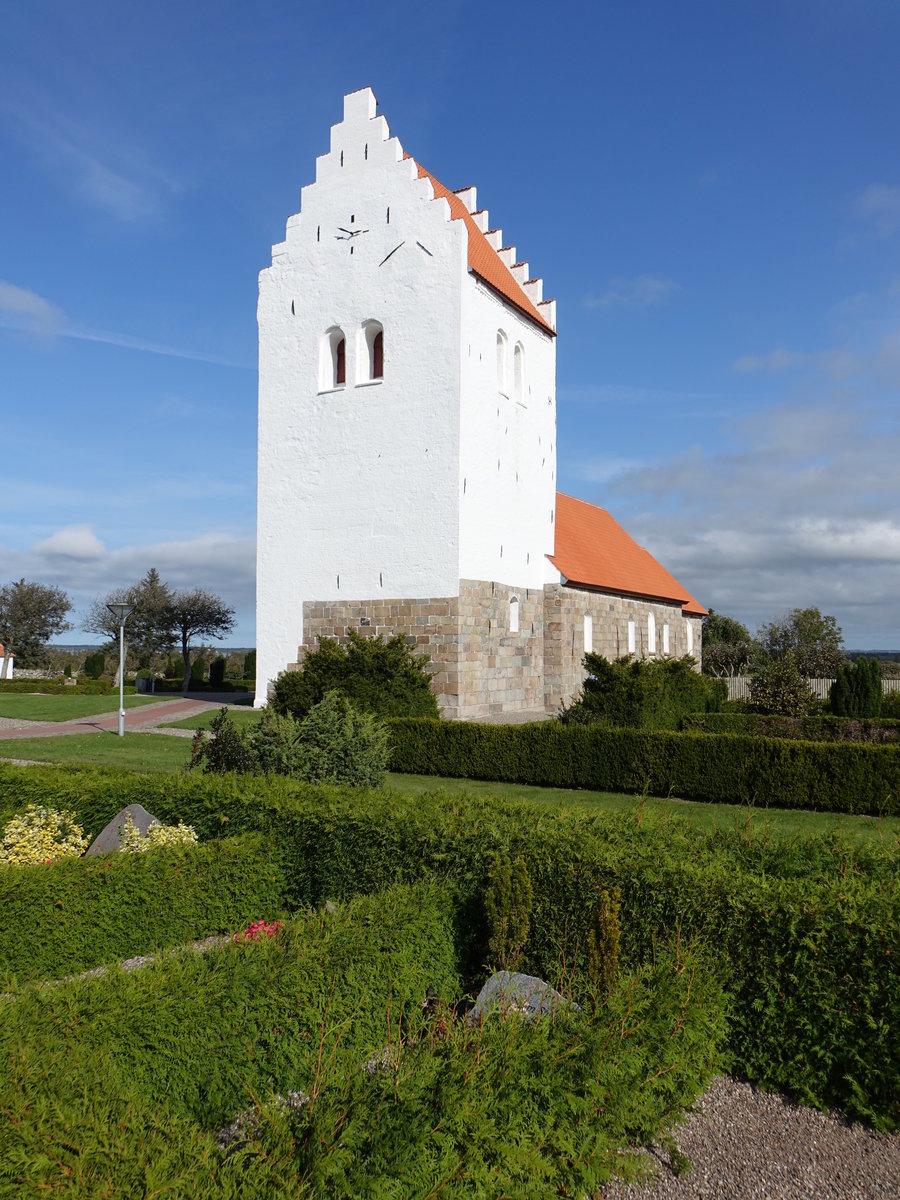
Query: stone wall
[480, 668]
[564, 612]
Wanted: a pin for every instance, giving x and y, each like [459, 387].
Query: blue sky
[711, 191]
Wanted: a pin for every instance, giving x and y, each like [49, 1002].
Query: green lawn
[781, 823]
[27, 707]
[159, 752]
[135, 751]
[243, 718]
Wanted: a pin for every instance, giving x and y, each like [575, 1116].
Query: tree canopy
[728, 648]
[30, 615]
[815, 641]
[197, 613]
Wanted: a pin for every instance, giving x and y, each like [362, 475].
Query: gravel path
[745, 1144]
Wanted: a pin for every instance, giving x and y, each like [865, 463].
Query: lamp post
[121, 612]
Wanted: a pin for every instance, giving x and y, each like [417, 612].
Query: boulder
[512, 992]
[110, 837]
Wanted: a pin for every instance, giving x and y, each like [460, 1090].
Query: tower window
[501, 362]
[332, 360]
[519, 373]
[371, 352]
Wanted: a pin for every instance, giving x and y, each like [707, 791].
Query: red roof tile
[595, 551]
[483, 258]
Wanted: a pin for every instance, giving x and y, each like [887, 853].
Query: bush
[250, 664]
[857, 691]
[335, 743]
[198, 670]
[778, 687]
[77, 914]
[41, 835]
[694, 766]
[508, 901]
[384, 678]
[890, 706]
[808, 729]
[641, 693]
[217, 671]
[95, 664]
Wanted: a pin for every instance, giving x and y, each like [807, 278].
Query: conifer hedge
[809, 934]
[807, 729]
[725, 769]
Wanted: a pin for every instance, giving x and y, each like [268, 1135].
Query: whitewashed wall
[358, 487]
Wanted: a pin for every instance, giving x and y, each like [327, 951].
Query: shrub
[890, 705]
[604, 937]
[41, 835]
[198, 670]
[250, 664]
[217, 671]
[134, 842]
[95, 664]
[643, 693]
[335, 743]
[778, 687]
[508, 901]
[385, 678]
[857, 691]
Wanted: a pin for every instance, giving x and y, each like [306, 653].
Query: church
[407, 449]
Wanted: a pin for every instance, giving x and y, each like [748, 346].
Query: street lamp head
[121, 611]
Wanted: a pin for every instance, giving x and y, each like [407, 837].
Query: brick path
[147, 715]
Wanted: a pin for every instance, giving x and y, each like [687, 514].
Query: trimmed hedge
[60, 687]
[809, 932]
[808, 729]
[725, 769]
[76, 914]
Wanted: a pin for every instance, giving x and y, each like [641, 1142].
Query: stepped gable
[593, 550]
[484, 260]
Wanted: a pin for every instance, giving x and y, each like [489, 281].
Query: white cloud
[74, 541]
[644, 291]
[27, 312]
[801, 506]
[879, 206]
[776, 360]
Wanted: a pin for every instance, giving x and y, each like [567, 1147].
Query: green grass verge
[67, 708]
[243, 718]
[134, 752]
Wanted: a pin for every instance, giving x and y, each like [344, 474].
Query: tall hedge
[808, 729]
[76, 914]
[725, 769]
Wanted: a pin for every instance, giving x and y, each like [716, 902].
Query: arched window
[514, 614]
[588, 634]
[371, 352]
[502, 385]
[332, 360]
[651, 633]
[519, 373]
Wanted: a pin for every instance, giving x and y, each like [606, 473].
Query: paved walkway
[146, 716]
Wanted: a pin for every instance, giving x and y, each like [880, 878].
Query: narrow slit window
[514, 615]
[665, 639]
[519, 373]
[371, 352]
[332, 360]
[501, 362]
[340, 362]
[632, 641]
[689, 635]
[588, 634]
[651, 633]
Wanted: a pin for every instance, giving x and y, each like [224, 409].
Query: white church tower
[407, 428]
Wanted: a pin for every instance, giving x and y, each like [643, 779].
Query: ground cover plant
[64, 707]
[808, 929]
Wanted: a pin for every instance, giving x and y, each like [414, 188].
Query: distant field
[26, 707]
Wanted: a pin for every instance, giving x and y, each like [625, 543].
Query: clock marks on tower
[347, 235]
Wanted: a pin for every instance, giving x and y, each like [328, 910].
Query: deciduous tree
[728, 648]
[198, 614]
[30, 615]
[814, 640]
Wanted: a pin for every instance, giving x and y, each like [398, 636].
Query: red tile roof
[483, 258]
[595, 551]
